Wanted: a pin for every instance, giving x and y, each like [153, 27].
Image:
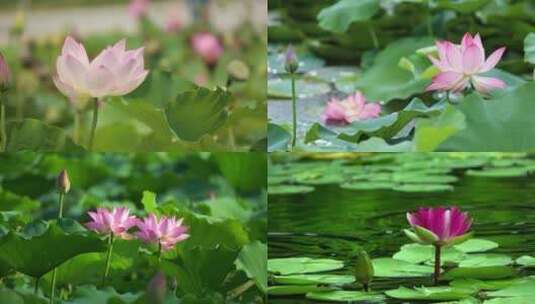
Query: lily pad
[416, 254]
[430, 293]
[526, 261]
[338, 17]
[289, 189]
[307, 279]
[392, 268]
[282, 88]
[346, 296]
[476, 245]
[500, 172]
[362, 185]
[482, 273]
[423, 188]
[485, 285]
[287, 290]
[299, 265]
[486, 260]
[522, 289]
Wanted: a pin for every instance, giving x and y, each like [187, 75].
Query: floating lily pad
[289, 189]
[521, 289]
[476, 245]
[500, 172]
[307, 279]
[416, 253]
[287, 290]
[515, 300]
[430, 293]
[392, 268]
[286, 266]
[423, 178]
[346, 296]
[486, 260]
[526, 260]
[367, 185]
[485, 285]
[483, 273]
[423, 188]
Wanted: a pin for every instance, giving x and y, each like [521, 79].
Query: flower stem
[55, 272]
[429, 18]
[108, 258]
[3, 134]
[77, 125]
[373, 35]
[436, 275]
[294, 112]
[93, 125]
[159, 252]
[36, 286]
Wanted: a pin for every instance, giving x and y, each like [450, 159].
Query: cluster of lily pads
[405, 172]
[187, 85]
[471, 273]
[100, 258]
[394, 65]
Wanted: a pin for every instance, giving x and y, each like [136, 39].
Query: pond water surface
[330, 221]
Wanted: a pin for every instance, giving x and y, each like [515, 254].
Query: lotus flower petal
[117, 221]
[460, 64]
[167, 231]
[446, 223]
[114, 72]
[353, 108]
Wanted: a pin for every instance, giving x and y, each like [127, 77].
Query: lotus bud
[5, 74]
[157, 289]
[291, 64]
[63, 183]
[363, 269]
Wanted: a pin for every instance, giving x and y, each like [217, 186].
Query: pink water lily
[445, 224]
[461, 65]
[166, 232]
[351, 109]
[439, 227]
[117, 222]
[114, 72]
[207, 46]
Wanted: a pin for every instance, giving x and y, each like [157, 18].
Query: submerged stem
[93, 125]
[36, 286]
[108, 258]
[294, 113]
[436, 275]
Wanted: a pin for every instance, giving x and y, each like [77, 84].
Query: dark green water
[330, 221]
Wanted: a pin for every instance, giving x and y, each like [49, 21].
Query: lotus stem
[77, 126]
[36, 286]
[55, 272]
[159, 252]
[373, 35]
[3, 133]
[111, 239]
[429, 22]
[93, 125]
[436, 275]
[294, 112]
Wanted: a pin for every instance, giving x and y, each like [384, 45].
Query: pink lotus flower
[351, 109]
[117, 222]
[440, 225]
[207, 46]
[460, 66]
[114, 72]
[138, 8]
[166, 232]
